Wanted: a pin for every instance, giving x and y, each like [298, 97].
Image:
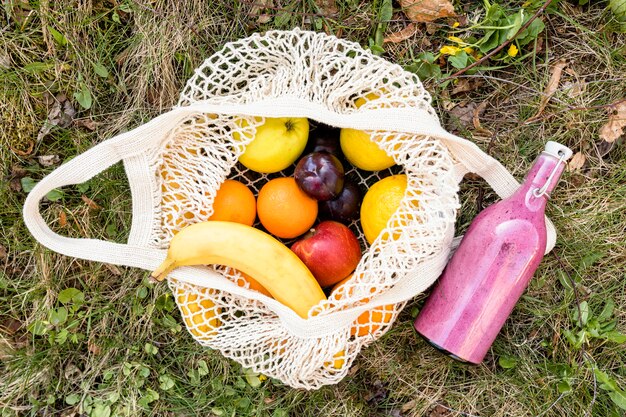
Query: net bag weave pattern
[176, 163]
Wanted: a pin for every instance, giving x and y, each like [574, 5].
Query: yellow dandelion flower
[468, 50]
[262, 377]
[456, 24]
[513, 50]
[457, 40]
[449, 50]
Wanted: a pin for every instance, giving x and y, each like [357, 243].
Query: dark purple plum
[345, 207]
[324, 139]
[320, 175]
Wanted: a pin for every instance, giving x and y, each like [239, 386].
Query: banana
[250, 250]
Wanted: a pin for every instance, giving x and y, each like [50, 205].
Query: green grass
[103, 353]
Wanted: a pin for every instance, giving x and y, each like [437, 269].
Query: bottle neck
[543, 176]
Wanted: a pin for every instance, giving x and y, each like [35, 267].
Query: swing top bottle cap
[557, 150]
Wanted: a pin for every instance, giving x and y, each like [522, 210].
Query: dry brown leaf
[16, 185]
[463, 115]
[577, 162]
[62, 219]
[464, 85]
[446, 103]
[3, 252]
[476, 120]
[604, 147]
[113, 269]
[5, 60]
[553, 84]
[90, 203]
[61, 114]
[614, 127]
[18, 172]
[72, 372]
[327, 7]
[422, 11]
[431, 28]
[576, 88]
[9, 325]
[28, 149]
[264, 18]
[259, 6]
[48, 160]
[88, 124]
[440, 411]
[408, 406]
[93, 348]
[402, 35]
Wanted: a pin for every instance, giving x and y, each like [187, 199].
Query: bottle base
[444, 351]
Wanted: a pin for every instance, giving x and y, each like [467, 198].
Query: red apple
[331, 251]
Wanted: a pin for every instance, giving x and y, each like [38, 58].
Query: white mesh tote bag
[176, 162]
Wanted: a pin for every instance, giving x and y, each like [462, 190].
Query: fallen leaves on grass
[462, 116]
[576, 88]
[5, 60]
[327, 7]
[90, 203]
[256, 9]
[439, 411]
[88, 124]
[62, 218]
[577, 162]
[11, 338]
[478, 111]
[408, 406]
[614, 127]
[3, 253]
[377, 393]
[15, 178]
[553, 84]
[48, 160]
[604, 148]
[93, 348]
[401, 35]
[465, 85]
[61, 114]
[9, 325]
[422, 11]
[113, 269]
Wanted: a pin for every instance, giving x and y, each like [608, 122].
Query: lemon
[277, 144]
[360, 151]
[358, 147]
[380, 202]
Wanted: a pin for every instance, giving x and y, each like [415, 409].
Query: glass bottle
[492, 266]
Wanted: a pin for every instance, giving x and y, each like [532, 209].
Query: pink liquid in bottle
[492, 266]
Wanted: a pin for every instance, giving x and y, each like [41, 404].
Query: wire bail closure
[540, 192]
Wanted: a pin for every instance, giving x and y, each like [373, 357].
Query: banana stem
[161, 272]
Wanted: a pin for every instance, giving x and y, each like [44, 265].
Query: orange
[254, 284]
[284, 209]
[369, 321]
[234, 202]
